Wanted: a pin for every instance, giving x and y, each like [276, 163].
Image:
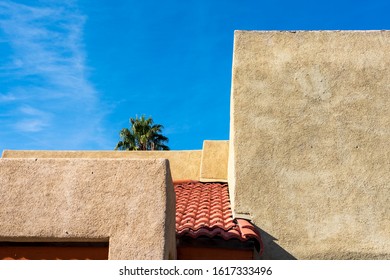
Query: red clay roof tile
[203, 209]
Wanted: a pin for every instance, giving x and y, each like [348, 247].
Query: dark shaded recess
[272, 250]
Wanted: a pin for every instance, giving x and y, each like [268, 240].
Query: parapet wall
[214, 163]
[309, 145]
[128, 202]
[208, 164]
[184, 164]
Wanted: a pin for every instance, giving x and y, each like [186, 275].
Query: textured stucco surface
[214, 164]
[129, 202]
[184, 164]
[310, 141]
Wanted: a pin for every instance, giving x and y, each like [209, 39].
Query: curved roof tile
[203, 209]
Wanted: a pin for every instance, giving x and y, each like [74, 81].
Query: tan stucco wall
[129, 202]
[214, 163]
[310, 141]
[184, 164]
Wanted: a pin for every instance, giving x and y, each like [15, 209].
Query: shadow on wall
[272, 251]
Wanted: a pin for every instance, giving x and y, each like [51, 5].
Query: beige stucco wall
[214, 163]
[310, 141]
[129, 202]
[184, 164]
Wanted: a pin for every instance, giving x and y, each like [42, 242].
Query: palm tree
[142, 135]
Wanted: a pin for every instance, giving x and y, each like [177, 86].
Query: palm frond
[142, 135]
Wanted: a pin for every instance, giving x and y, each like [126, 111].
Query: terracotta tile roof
[203, 209]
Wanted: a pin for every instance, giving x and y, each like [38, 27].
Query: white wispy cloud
[7, 97]
[33, 119]
[44, 86]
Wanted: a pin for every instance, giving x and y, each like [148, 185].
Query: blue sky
[72, 73]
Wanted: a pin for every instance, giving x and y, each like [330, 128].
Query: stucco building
[304, 175]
